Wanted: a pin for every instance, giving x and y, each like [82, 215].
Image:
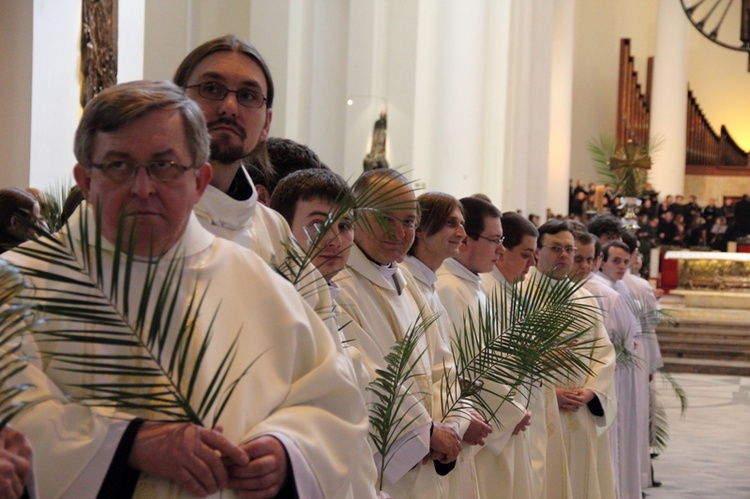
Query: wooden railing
[704, 145]
[633, 101]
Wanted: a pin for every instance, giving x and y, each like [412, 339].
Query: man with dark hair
[622, 327]
[606, 228]
[313, 202]
[586, 402]
[285, 156]
[231, 82]
[383, 307]
[524, 477]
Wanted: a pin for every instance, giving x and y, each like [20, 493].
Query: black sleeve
[441, 469]
[121, 479]
[595, 406]
[289, 489]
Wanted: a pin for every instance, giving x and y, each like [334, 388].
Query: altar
[711, 279]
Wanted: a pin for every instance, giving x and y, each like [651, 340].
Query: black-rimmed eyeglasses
[246, 97]
[159, 171]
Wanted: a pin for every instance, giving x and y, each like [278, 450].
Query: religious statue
[376, 157]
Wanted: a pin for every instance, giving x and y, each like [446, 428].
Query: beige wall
[713, 186]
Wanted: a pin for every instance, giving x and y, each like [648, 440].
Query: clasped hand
[203, 461]
[571, 399]
[444, 444]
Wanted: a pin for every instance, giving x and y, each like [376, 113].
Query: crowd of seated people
[670, 220]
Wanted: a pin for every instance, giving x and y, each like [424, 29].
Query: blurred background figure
[19, 214]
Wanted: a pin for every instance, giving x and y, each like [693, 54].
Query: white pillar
[561, 105]
[669, 99]
[495, 118]
[366, 78]
[460, 99]
[55, 90]
[16, 40]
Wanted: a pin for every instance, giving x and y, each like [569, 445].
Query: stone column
[669, 99]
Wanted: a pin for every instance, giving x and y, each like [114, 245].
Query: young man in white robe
[459, 287]
[586, 402]
[623, 329]
[314, 202]
[232, 84]
[142, 151]
[646, 300]
[529, 470]
[439, 236]
[383, 307]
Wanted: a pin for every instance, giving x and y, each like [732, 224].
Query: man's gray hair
[120, 105]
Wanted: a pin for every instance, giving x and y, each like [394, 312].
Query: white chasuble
[294, 391]
[382, 307]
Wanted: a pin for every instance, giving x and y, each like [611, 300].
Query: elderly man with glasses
[142, 151]
[586, 402]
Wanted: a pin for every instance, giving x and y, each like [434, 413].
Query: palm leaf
[658, 421]
[16, 321]
[392, 388]
[150, 351]
[522, 336]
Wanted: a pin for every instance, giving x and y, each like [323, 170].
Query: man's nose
[142, 184]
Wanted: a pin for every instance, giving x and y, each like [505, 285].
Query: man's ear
[202, 179]
[420, 235]
[83, 179]
[264, 197]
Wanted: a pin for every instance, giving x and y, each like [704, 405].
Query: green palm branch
[658, 421]
[523, 336]
[16, 321]
[388, 414]
[155, 351]
[53, 200]
[623, 166]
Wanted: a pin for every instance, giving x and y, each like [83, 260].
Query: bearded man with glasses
[230, 81]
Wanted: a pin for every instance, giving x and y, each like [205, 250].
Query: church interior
[499, 97]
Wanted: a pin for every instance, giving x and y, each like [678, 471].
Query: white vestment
[382, 307]
[589, 457]
[525, 475]
[253, 225]
[462, 481]
[294, 391]
[642, 294]
[461, 291]
[622, 327]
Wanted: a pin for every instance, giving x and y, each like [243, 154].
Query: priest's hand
[444, 443]
[15, 463]
[189, 455]
[523, 424]
[571, 399]
[477, 431]
[265, 474]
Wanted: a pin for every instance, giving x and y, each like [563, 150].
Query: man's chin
[227, 154]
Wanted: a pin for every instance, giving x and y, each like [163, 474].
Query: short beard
[227, 154]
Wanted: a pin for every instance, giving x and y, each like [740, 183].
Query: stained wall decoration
[98, 47]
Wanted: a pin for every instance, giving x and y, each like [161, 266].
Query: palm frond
[677, 388]
[658, 427]
[53, 198]
[395, 394]
[16, 321]
[523, 335]
[150, 351]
